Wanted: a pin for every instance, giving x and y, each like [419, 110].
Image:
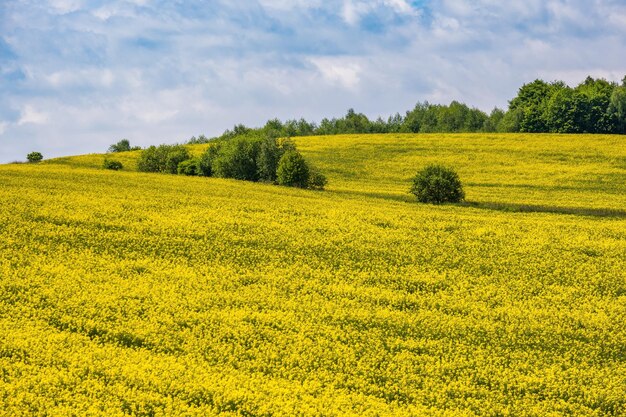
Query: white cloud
[401, 6]
[354, 10]
[65, 6]
[32, 115]
[342, 72]
[290, 4]
[94, 77]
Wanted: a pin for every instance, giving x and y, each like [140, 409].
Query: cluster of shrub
[246, 157]
[594, 106]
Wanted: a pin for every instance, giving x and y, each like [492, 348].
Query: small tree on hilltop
[121, 146]
[34, 157]
[292, 170]
[437, 184]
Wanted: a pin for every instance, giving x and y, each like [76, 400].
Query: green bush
[237, 159]
[175, 155]
[189, 167]
[113, 165]
[437, 184]
[34, 157]
[162, 158]
[292, 170]
[317, 180]
[270, 152]
[205, 164]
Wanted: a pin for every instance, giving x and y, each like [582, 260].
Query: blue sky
[79, 75]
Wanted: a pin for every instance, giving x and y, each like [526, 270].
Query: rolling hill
[125, 293]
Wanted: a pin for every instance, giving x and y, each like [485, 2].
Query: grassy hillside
[124, 293]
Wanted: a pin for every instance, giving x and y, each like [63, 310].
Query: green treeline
[593, 106]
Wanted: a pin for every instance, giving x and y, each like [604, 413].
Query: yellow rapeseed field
[131, 294]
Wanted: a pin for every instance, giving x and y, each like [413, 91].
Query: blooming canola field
[132, 294]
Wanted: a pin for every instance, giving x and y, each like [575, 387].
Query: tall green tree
[237, 159]
[531, 101]
[162, 158]
[492, 123]
[594, 100]
[293, 170]
[563, 111]
[270, 152]
[617, 108]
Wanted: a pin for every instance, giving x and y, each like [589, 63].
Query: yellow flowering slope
[124, 293]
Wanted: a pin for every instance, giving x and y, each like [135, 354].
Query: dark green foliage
[511, 121]
[198, 140]
[238, 130]
[237, 159]
[273, 128]
[457, 117]
[292, 170]
[270, 152]
[121, 146]
[594, 98]
[205, 164]
[189, 167]
[298, 128]
[162, 158]
[617, 109]
[317, 180]
[531, 101]
[492, 123]
[34, 157]
[395, 124]
[112, 165]
[267, 159]
[251, 157]
[354, 123]
[437, 184]
[563, 111]
[557, 108]
[175, 155]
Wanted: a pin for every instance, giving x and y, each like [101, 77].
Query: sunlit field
[124, 293]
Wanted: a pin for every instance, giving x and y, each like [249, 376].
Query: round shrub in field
[292, 170]
[34, 157]
[114, 165]
[317, 180]
[437, 184]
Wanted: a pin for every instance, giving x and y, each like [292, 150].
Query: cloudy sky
[79, 75]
